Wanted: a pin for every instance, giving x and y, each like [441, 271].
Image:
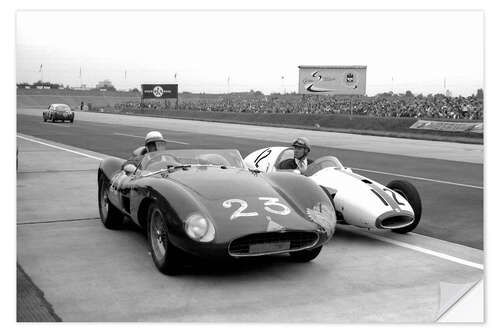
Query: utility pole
[41, 72]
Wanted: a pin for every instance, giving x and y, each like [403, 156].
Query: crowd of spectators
[383, 105]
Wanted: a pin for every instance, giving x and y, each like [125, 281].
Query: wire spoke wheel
[104, 202]
[111, 216]
[165, 255]
[158, 235]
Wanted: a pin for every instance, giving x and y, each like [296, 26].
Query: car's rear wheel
[306, 255]
[53, 119]
[44, 119]
[165, 255]
[111, 217]
[410, 193]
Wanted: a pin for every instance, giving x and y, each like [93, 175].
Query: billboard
[448, 126]
[161, 91]
[332, 80]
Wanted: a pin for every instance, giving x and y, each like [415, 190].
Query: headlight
[199, 228]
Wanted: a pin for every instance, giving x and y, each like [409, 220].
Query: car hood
[241, 202]
[213, 183]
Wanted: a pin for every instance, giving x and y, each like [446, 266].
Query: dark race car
[60, 112]
[208, 204]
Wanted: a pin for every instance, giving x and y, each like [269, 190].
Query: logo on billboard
[317, 78]
[158, 91]
[351, 80]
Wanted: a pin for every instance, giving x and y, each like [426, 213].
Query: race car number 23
[271, 205]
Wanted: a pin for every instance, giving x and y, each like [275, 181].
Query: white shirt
[301, 164]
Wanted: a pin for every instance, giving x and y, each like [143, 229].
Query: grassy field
[35, 101]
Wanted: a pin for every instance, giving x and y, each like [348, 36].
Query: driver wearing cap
[301, 148]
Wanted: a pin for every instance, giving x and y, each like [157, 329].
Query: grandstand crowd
[383, 105]
[437, 106]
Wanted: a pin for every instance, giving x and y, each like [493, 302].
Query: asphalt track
[89, 273]
[451, 190]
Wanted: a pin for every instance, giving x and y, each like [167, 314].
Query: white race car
[358, 201]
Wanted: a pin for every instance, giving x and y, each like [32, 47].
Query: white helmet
[154, 136]
[155, 141]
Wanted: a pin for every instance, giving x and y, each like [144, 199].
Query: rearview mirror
[129, 168]
[348, 170]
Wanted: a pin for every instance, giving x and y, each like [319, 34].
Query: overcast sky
[405, 50]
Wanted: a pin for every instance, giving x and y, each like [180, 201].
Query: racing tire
[53, 119]
[44, 119]
[72, 120]
[306, 255]
[111, 217]
[166, 256]
[410, 193]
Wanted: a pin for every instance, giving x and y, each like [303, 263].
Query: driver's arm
[136, 157]
[135, 160]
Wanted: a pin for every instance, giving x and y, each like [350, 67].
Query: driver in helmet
[301, 148]
[154, 141]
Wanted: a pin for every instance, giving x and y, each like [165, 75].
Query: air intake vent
[272, 242]
[366, 181]
[394, 222]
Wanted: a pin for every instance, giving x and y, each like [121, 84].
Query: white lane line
[137, 136]
[60, 148]
[421, 178]
[383, 239]
[424, 250]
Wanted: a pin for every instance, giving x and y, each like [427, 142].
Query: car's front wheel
[111, 217]
[306, 255]
[165, 255]
[410, 193]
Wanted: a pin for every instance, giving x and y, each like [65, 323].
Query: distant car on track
[208, 204]
[59, 112]
[358, 201]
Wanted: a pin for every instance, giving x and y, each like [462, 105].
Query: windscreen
[162, 159]
[322, 163]
[62, 107]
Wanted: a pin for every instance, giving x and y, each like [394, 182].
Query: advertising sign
[160, 91]
[332, 80]
[448, 126]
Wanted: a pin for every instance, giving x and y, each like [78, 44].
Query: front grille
[394, 222]
[272, 242]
